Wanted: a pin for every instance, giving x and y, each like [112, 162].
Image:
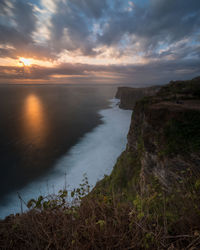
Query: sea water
[52, 135]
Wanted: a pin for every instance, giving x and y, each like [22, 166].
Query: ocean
[51, 135]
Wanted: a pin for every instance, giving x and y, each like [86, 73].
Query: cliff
[160, 169]
[164, 135]
[129, 96]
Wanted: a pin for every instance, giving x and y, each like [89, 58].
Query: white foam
[95, 155]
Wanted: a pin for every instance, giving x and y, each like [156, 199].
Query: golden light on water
[34, 120]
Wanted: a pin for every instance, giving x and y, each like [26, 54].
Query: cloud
[89, 24]
[145, 28]
[17, 24]
[72, 25]
[152, 36]
[153, 23]
[24, 17]
[156, 73]
[21, 22]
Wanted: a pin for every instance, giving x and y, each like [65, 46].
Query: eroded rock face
[166, 133]
[159, 172]
[163, 142]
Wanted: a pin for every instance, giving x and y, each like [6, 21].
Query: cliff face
[168, 127]
[164, 133]
[161, 163]
[129, 96]
[170, 137]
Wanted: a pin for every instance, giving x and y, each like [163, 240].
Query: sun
[24, 61]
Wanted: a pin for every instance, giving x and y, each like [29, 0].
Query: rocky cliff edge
[160, 169]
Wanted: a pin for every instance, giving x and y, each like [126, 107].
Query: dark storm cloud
[17, 24]
[90, 8]
[68, 20]
[24, 17]
[3, 7]
[10, 35]
[72, 24]
[152, 25]
[21, 25]
[156, 22]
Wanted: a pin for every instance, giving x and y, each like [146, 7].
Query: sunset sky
[99, 41]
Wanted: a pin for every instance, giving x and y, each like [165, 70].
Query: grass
[106, 221]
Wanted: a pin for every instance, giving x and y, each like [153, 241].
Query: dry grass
[103, 222]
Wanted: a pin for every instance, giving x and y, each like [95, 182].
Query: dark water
[40, 123]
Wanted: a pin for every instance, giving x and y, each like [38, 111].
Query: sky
[99, 41]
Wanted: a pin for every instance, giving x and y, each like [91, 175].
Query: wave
[94, 155]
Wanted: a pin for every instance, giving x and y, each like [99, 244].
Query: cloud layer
[117, 41]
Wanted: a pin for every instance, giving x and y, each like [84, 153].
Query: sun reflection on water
[34, 120]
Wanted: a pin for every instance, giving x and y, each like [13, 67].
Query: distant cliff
[128, 96]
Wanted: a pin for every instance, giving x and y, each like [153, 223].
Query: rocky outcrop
[129, 96]
[163, 140]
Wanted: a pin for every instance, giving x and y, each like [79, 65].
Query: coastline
[106, 141]
[150, 199]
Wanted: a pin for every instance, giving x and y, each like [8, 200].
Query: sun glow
[29, 62]
[24, 61]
